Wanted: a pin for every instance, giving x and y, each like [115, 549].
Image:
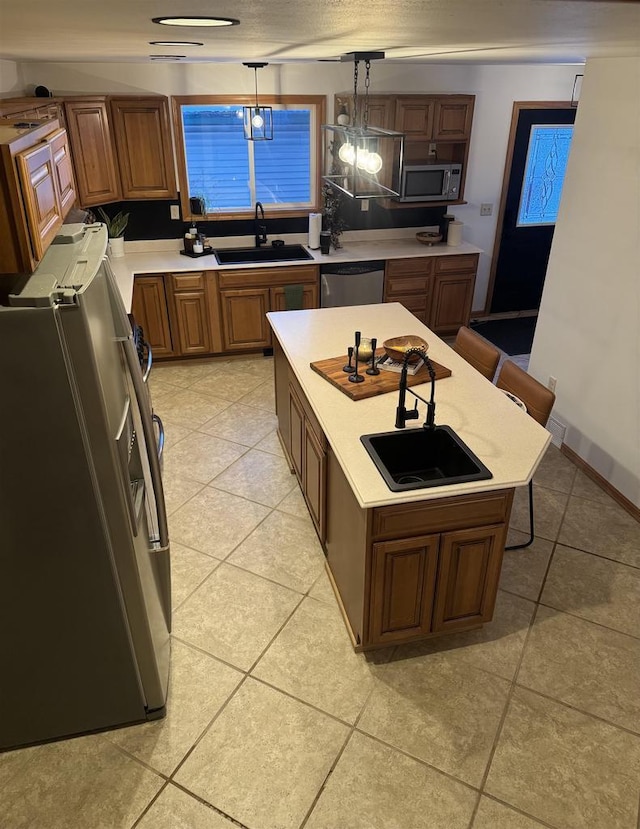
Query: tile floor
[273, 721]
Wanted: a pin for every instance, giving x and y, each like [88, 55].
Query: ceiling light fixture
[167, 57]
[362, 161]
[196, 21]
[175, 43]
[258, 120]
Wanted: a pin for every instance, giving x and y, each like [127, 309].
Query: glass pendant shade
[258, 123]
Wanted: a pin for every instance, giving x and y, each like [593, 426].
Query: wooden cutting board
[382, 383]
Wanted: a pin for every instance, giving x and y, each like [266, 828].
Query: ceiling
[281, 31]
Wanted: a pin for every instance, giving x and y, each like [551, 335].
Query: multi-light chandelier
[362, 161]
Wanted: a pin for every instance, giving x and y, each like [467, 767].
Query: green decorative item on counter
[331, 218]
[116, 226]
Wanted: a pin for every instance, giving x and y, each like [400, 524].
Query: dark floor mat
[514, 336]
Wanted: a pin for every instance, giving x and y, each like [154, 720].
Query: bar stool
[539, 401]
[483, 356]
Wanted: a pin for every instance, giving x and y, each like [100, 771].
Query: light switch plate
[175, 211]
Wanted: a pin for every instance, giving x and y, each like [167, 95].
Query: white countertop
[508, 441]
[172, 261]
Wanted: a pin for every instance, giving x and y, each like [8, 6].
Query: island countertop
[508, 441]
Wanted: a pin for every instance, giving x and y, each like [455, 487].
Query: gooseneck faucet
[260, 229]
[402, 415]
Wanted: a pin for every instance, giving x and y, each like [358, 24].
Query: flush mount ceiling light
[196, 21]
[175, 43]
[258, 120]
[363, 162]
[167, 57]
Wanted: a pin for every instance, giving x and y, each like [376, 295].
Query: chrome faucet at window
[260, 229]
[402, 415]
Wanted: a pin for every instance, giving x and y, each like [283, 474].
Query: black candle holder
[354, 377]
[349, 368]
[373, 368]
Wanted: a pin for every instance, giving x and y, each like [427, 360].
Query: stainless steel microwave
[430, 182]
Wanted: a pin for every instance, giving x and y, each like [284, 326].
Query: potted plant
[115, 229]
[332, 220]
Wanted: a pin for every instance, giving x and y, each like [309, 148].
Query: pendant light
[258, 120]
[361, 161]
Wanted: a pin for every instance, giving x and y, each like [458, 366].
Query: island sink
[420, 458]
[252, 256]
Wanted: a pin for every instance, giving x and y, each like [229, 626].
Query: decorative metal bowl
[428, 238]
[396, 347]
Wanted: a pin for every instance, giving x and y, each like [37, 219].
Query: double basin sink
[253, 256]
[420, 458]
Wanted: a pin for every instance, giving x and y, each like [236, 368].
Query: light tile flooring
[274, 723]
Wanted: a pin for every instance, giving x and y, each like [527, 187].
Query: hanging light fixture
[258, 120]
[363, 162]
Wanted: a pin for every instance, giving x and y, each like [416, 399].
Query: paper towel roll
[315, 226]
[454, 236]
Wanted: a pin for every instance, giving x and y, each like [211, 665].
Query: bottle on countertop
[445, 221]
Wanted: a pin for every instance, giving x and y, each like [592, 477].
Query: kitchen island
[404, 565]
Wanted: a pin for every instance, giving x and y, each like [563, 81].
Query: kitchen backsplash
[149, 219]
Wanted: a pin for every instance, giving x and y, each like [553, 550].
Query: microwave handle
[447, 182]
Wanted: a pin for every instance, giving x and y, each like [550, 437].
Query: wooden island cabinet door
[403, 575]
[468, 574]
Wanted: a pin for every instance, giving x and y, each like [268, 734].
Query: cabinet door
[296, 426]
[63, 170]
[468, 574]
[309, 298]
[414, 117]
[402, 588]
[38, 178]
[143, 141]
[244, 320]
[452, 298]
[192, 327]
[93, 152]
[149, 308]
[452, 119]
[314, 477]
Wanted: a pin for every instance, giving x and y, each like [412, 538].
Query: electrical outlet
[432, 149]
[552, 383]
[364, 205]
[486, 209]
[175, 211]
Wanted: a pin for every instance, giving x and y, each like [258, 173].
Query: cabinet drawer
[267, 277]
[421, 266]
[461, 512]
[399, 286]
[188, 281]
[454, 264]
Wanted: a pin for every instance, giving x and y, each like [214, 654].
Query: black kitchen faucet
[402, 415]
[261, 229]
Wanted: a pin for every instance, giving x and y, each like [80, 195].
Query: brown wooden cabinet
[142, 134]
[454, 282]
[36, 192]
[414, 117]
[93, 151]
[403, 572]
[189, 314]
[30, 108]
[247, 295]
[150, 310]
[452, 118]
[437, 289]
[306, 446]
[121, 148]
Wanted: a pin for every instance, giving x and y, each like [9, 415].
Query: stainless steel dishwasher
[351, 283]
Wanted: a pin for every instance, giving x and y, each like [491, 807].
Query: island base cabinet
[468, 573]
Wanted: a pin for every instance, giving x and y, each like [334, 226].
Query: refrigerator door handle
[147, 370]
[156, 419]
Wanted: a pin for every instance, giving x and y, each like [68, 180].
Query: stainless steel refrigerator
[85, 602]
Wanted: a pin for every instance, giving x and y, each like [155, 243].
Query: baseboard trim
[624, 502]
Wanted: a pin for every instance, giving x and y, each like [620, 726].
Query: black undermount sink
[420, 458]
[252, 256]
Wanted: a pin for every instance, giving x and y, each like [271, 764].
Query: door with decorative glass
[537, 156]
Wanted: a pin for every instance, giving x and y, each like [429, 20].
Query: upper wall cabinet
[37, 191]
[29, 109]
[436, 127]
[121, 148]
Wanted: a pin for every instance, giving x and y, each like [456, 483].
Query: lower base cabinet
[403, 572]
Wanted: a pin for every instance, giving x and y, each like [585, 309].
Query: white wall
[495, 87]
[11, 81]
[588, 332]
